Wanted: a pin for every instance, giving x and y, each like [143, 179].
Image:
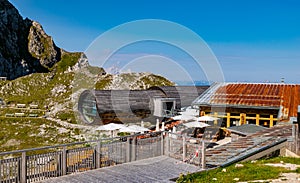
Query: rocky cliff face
[24, 46]
[42, 47]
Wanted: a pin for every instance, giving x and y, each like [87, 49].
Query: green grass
[103, 83]
[67, 116]
[26, 111]
[21, 133]
[284, 159]
[96, 70]
[250, 171]
[67, 60]
[155, 80]
[2, 83]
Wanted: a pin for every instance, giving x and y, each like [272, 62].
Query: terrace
[140, 157]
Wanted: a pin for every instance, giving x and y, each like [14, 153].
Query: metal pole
[128, 154]
[293, 132]
[98, 154]
[64, 161]
[23, 169]
[133, 152]
[183, 148]
[203, 160]
[162, 143]
[168, 143]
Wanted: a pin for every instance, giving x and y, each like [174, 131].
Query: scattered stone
[288, 166]
[253, 161]
[239, 166]
[281, 162]
[236, 179]
[224, 170]
[214, 179]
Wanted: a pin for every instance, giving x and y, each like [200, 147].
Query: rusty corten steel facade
[284, 97]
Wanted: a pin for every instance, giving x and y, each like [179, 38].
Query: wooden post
[162, 143]
[98, 154]
[64, 161]
[216, 121]
[242, 119]
[168, 143]
[228, 120]
[203, 160]
[24, 168]
[128, 150]
[183, 148]
[257, 119]
[133, 149]
[271, 120]
[297, 139]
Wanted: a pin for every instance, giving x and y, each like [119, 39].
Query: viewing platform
[152, 157]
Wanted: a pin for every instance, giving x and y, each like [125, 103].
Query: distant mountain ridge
[25, 47]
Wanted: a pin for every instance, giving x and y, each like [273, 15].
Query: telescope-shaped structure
[131, 106]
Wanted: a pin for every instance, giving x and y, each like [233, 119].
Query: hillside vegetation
[52, 92]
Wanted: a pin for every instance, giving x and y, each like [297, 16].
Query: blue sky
[255, 41]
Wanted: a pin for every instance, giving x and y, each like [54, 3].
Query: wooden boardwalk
[158, 169]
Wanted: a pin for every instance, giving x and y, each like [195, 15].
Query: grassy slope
[37, 88]
[54, 90]
[250, 171]
[21, 133]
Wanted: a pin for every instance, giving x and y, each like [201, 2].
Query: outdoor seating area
[21, 110]
[21, 114]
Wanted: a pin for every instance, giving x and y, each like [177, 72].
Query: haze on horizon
[254, 41]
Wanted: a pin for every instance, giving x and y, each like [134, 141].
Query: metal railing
[187, 149]
[37, 164]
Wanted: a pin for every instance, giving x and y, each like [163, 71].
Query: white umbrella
[110, 127]
[195, 124]
[207, 118]
[177, 117]
[184, 117]
[138, 128]
[142, 124]
[174, 129]
[157, 125]
[163, 126]
[127, 129]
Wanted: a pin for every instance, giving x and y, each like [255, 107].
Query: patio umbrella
[163, 126]
[110, 127]
[134, 128]
[207, 118]
[127, 129]
[157, 125]
[195, 124]
[142, 124]
[184, 117]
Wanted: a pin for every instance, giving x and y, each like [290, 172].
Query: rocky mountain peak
[42, 47]
[24, 46]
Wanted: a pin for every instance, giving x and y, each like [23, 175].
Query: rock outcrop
[25, 48]
[42, 47]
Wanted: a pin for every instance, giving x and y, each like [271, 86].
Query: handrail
[71, 144]
[254, 152]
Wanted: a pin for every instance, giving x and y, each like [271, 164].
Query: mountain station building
[264, 104]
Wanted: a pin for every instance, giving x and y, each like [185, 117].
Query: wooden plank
[158, 169]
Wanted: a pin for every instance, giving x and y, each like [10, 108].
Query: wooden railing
[38, 164]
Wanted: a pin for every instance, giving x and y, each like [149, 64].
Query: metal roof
[184, 94]
[247, 128]
[284, 97]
